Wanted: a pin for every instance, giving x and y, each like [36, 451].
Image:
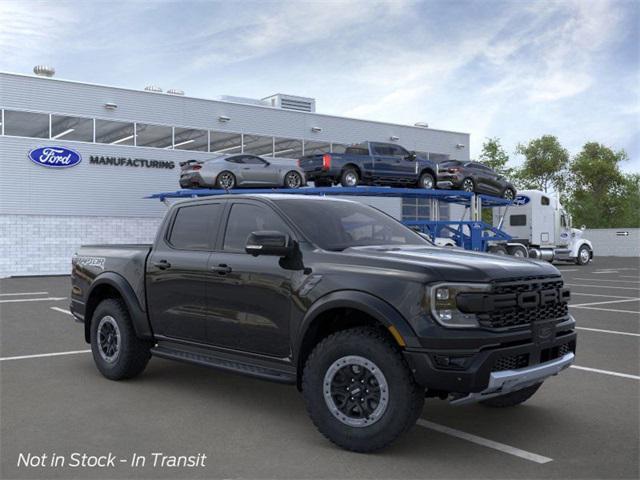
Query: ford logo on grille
[55, 157]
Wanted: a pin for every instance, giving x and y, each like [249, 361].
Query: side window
[251, 160]
[518, 220]
[237, 159]
[380, 149]
[563, 221]
[544, 201]
[398, 151]
[193, 227]
[246, 218]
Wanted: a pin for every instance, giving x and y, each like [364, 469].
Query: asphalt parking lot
[582, 424]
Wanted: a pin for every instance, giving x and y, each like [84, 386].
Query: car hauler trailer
[539, 225]
[472, 234]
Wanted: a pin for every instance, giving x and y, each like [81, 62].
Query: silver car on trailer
[241, 170]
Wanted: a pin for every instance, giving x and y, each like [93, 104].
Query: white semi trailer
[541, 228]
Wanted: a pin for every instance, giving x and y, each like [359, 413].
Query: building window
[191, 139]
[114, 133]
[314, 148]
[225, 143]
[258, 145]
[26, 124]
[71, 128]
[156, 136]
[287, 148]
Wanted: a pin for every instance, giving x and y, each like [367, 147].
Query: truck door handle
[222, 269]
[162, 264]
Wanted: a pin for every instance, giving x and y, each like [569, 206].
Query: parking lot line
[40, 355]
[606, 280]
[605, 302]
[628, 276]
[23, 293]
[608, 331]
[16, 300]
[607, 309]
[606, 372]
[485, 442]
[604, 272]
[61, 310]
[569, 269]
[603, 286]
[597, 295]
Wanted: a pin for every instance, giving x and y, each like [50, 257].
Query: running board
[223, 362]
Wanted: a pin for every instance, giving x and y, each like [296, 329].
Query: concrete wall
[611, 242]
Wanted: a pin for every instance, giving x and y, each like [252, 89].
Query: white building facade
[129, 144]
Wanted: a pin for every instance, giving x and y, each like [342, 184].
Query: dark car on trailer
[474, 177]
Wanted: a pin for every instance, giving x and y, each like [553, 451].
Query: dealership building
[128, 145]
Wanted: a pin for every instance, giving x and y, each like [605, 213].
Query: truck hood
[455, 265]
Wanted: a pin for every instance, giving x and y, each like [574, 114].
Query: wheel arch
[429, 170]
[346, 309]
[113, 285]
[354, 166]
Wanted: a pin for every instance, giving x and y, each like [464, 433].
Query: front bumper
[484, 368]
[502, 383]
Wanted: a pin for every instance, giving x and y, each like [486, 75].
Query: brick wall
[43, 244]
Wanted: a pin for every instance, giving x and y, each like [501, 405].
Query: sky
[509, 69]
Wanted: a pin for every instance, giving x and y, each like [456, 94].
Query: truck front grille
[522, 301]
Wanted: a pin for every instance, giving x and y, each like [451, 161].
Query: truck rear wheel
[349, 178]
[117, 351]
[512, 399]
[358, 390]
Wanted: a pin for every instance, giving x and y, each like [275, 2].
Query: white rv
[541, 228]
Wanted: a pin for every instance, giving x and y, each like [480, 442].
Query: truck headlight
[444, 308]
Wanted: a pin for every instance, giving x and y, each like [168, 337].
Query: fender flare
[580, 243]
[377, 308]
[138, 315]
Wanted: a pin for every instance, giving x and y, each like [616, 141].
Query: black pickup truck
[362, 314]
[370, 163]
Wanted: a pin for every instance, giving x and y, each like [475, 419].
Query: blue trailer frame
[473, 234]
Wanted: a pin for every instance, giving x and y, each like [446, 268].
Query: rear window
[357, 151]
[518, 220]
[193, 226]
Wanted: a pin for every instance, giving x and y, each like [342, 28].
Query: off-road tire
[133, 354]
[405, 397]
[512, 399]
[344, 178]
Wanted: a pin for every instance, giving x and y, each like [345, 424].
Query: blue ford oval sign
[55, 157]
[521, 200]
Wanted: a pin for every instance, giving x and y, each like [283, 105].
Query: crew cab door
[249, 297]
[177, 272]
[391, 163]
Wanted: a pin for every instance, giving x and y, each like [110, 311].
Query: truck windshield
[337, 225]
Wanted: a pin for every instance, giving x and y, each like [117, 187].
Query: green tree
[494, 156]
[600, 195]
[545, 164]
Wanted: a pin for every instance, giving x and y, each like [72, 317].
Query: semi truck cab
[538, 222]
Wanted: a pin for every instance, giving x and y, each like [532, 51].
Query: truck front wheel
[117, 351]
[512, 399]
[359, 391]
[584, 255]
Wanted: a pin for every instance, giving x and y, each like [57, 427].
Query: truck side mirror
[269, 242]
[412, 156]
[583, 227]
